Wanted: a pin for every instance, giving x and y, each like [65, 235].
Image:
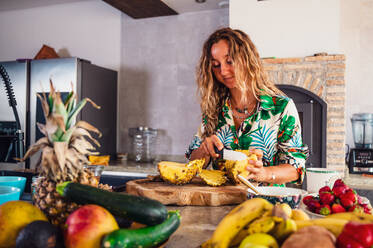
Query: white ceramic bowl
[317, 216]
[291, 196]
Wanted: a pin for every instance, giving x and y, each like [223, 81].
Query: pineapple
[64, 151]
[213, 177]
[179, 173]
[234, 168]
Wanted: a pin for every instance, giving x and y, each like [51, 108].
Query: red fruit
[325, 209]
[367, 210]
[339, 190]
[314, 205]
[355, 234]
[338, 208]
[346, 202]
[338, 182]
[326, 198]
[352, 195]
[324, 189]
[307, 199]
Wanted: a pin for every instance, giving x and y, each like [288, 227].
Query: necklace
[246, 112]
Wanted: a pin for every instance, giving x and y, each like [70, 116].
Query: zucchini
[143, 237]
[137, 208]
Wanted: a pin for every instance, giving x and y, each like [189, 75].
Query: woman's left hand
[256, 169]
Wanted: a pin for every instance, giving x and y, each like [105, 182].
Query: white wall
[89, 30]
[357, 44]
[288, 28]
[297, 28]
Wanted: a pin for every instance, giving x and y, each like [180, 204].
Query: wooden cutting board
[195, 193]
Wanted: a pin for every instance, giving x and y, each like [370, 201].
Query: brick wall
[325, 77]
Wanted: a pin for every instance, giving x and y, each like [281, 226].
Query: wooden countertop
[197, 225]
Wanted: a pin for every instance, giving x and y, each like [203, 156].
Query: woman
[242, 109]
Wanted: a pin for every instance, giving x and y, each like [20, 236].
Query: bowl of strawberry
[339, 198]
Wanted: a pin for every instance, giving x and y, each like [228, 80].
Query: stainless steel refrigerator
[85, 78]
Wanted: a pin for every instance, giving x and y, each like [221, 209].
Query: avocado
[123, 222]
[40, 234]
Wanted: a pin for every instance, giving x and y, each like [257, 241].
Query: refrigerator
[86, 79]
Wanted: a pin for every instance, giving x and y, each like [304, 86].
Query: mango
[15, 215]
[87, 225]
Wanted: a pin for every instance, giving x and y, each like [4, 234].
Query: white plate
[278, 191]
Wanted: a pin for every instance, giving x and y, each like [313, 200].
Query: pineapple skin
[54, 206]
[178, 173]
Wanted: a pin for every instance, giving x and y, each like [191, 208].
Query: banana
[298, 214]
[287, 209]
[353, 216]
[283, 229]
[206, 244]
[261, 225]
[333, 225]
[237, 219]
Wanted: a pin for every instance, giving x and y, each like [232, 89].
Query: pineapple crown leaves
[61, 116]
[64, 145]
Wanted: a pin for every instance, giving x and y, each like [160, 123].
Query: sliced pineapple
[213, 177]
[179, 173]
[234, 168]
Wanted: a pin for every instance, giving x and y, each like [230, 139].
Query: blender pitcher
[362, 130]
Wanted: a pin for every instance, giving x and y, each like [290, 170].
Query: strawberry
[338, 208]
[339, 190]
[338, 182]
[326, 198]
[307, 199]
[350, 194]
[324, 189]
[325, 209]
[367, 208]
[314, 205]
[346, 202]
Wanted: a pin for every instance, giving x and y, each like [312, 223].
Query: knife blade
[230, 155]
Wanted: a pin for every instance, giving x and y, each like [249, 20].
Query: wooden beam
[142, 8]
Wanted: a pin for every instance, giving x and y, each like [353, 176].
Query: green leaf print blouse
[274, 128]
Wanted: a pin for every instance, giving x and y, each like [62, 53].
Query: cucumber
[143, 237]
[137, 208]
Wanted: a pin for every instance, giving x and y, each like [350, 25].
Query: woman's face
[222, 64]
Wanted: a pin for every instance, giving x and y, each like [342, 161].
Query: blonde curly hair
[249, 74]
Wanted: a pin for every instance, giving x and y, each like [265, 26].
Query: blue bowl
[291, 196]
[9, 193]
[18, 182]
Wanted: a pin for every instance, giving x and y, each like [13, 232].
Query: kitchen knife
[230, 155]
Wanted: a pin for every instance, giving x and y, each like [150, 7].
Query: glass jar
[142, 144]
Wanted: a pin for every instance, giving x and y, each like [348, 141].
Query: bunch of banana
[363, 218]
[335, 222]
[255, 216]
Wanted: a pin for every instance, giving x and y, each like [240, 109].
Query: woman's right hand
[206, 149]
[209, 144]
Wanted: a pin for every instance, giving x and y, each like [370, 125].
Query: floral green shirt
[274, 128]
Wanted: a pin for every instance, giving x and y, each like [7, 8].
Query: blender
[361, 157]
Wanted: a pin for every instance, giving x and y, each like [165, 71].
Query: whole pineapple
[64, 153]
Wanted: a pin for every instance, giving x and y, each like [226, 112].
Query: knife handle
[220, 152]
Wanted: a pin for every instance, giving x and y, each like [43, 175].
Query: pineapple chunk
[179, 173]
[213, 177]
